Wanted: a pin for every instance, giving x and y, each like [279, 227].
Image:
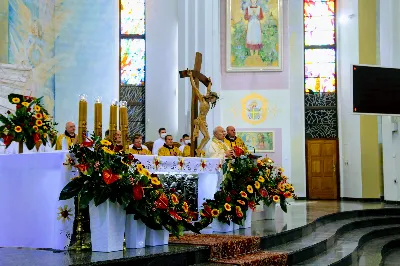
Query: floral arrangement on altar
[30, 123]
[247, 182]
[105, 174]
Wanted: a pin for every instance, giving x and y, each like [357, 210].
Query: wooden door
[322, 169]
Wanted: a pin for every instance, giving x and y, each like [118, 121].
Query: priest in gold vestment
[66, 140]
[137, 147]
[168, 148]
[234, 141]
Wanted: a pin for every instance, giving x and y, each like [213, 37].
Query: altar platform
[311, 233]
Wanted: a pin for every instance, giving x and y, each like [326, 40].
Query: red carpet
[233, 249]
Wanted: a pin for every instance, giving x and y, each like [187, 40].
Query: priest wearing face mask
[168, 148]
[185, 147]
[66, 140]
[234, 141]
[159, 142]
[137, 147]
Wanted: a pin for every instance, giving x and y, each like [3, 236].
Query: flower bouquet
[29, 124]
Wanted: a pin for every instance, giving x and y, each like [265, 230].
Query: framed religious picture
[260, 141]
[254, 30]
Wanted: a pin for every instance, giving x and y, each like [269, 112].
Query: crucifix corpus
[208, 100]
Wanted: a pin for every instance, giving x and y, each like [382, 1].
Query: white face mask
[163, 135]
[186, 141]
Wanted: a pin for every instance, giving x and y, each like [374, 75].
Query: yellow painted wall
[3, 31]
[370, 153]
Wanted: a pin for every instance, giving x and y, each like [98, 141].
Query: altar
[31, 184]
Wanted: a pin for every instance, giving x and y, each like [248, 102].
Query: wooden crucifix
[197, 76]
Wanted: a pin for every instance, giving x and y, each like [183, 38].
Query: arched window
[320, 69]
[132, 43]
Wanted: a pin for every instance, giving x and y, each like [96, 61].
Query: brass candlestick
[123, 124]
[113, 119]
[82, 123]
[98, 117]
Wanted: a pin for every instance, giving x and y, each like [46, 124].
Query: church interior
[199, 132]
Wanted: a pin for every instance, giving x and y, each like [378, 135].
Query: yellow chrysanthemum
[250, 189]
[16, 100]
[39, 123]
[261, 179]
[37, 108]
[26, 104]
[105, 142]
[155, 181]
[18, 129]
[257, 185]
[105, 149]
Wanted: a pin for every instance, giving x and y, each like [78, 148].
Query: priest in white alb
[159, 142]
[219, 149]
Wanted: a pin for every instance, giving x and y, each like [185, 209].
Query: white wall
[161, 67]
[89, 44]
[390, 57]
[349, 124]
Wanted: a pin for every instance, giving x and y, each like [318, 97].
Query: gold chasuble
[169, 151]
[186, 151]
[235, 142]
[68, 137]
[139, 151]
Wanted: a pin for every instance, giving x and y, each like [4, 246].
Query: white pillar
[161, 67]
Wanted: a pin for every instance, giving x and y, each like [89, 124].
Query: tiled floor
[299, 213]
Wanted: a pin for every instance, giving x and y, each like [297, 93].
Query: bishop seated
[137, 147]
[168, 148]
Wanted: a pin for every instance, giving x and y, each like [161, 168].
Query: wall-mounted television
[376, 90]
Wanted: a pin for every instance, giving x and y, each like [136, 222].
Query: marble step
[370, 254]
[347, 247]
[324, 237]
[391, 253]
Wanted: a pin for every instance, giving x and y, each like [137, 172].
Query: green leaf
[283, 204]
[72, 189]
[86, 196]
[101, 197]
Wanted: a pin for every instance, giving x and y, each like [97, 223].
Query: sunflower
[276, 198]
[250, 189]
[64, 213]
[288, 186]
[280, 169]
[146, 173]
[227, 207]
[105, 142]
[16, 100]
[39, 123]
[243, 194]
[261, 179]
[257, 185]
[105, 149]
[18, 129]
[155, 181]
[35, 128]
[215, 212]
[44, 127]
[26, 104]
[241, 202]
[37, 108]
[287, 195]
[281, 187]
[185, 207]
[45, 116]
[239, 212]
[174, 199]
[39, 116]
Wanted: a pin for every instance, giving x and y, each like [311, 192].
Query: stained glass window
[133, 62]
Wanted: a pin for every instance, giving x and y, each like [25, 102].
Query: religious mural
[31, 44]
[254, 109]
[254, 35]
[259, 141]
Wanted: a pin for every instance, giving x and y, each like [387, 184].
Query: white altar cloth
[31, 185]
[29, 191]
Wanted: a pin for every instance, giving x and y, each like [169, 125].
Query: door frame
[338, 185]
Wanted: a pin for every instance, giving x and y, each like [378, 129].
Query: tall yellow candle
[82, 126]
[123, 124]
[113, 120]
[98, 118]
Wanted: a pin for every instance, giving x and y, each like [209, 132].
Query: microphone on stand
[254, 149]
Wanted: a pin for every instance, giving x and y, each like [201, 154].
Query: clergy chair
[176, 144]
[149, 145]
